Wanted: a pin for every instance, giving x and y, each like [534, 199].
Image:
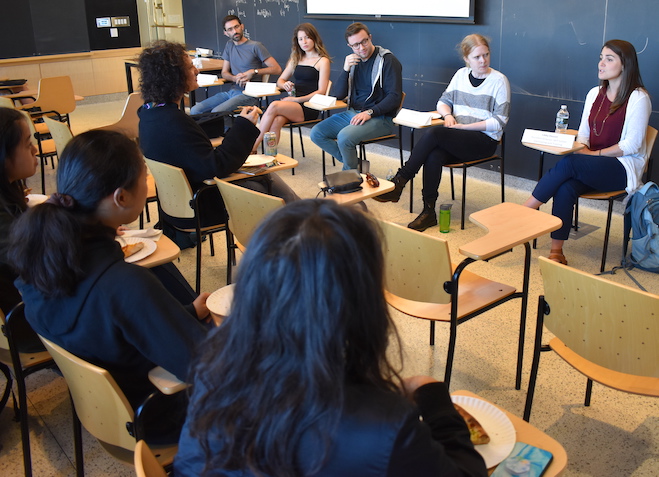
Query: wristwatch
[369, 112]
[256, 72]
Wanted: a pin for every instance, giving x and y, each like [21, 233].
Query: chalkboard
[548, 51]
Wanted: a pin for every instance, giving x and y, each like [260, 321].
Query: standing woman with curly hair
[296, 381]
[307, 73]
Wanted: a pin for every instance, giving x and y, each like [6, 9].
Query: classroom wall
[548, 51]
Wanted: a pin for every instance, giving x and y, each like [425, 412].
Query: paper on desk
[258, 88]
[205, 79]
[323, 100]
[153, 234]
[546, 138]
[414, 117]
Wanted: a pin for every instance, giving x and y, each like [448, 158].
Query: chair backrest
[100, 404]
[650, 138]
[174, 191]
[246, 208]
[56, 94]
[417, 265]
[6, 103]
[611, 325]
[146, 464]
[329, 87]
[60, 132]
[129, 123]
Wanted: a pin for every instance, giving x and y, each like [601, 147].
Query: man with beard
[244, 61]
[372, 81]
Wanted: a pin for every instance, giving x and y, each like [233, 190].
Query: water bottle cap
[445, 206]
[563, 106]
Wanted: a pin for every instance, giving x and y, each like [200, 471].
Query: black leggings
[440, 146]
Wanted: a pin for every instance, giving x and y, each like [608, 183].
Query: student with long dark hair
[78, 290]
[613, 125]
[296, 381]
[18, 161]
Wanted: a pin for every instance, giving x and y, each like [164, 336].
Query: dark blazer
[169, 135]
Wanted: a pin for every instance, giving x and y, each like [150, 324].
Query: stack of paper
[258, 88]
[323, 100]
[416, 118]
[205, 80]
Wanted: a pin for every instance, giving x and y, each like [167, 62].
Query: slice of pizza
[476, 432]
[132, 248]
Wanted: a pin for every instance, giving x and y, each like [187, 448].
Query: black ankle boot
[427, 218]
[393, 196]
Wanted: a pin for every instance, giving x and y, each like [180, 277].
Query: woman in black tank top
[306, 73]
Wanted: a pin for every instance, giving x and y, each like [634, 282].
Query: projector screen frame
[394, 18]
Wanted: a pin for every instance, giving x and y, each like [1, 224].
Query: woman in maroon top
[613, 124]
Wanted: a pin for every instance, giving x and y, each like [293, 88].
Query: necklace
[595, 118]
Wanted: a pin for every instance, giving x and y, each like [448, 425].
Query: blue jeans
[226, 101]
[574, 175]
[336, 136]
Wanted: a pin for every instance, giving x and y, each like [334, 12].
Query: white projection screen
[444, 11]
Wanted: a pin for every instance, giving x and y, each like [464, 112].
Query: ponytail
[45, 245]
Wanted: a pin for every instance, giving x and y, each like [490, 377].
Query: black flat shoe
[426, 219]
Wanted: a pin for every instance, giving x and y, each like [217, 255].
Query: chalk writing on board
[264, 13]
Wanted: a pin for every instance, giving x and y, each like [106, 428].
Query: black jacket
[169, 135]
[120, 317]
[379, 435]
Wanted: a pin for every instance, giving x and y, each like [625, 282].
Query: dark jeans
[440, 146]
[574, 175]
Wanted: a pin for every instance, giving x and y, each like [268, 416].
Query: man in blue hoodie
[373, 83]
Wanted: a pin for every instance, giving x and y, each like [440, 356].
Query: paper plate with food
[136, 248]
[492, 432]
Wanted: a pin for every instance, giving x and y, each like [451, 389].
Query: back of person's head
[308, 317]
[631, 74]
[163, 72]
[470, 42]
[47, 240]
[355, 28]
[11, 134]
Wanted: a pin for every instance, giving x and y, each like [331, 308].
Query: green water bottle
[445, 218]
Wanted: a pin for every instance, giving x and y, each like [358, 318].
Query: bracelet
[449, 114]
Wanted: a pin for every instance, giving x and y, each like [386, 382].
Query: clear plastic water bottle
[562, 117]
[390, 174]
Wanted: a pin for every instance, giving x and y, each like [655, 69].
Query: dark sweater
[169, 135]
[386, 89]
[120, 317]
[379, 434]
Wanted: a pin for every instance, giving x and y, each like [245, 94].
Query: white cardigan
[632, 140]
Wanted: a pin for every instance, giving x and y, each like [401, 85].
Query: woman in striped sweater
[475, 107]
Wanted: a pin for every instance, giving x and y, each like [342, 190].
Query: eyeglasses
[363, 43]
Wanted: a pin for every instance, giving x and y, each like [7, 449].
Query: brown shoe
[557, 256]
